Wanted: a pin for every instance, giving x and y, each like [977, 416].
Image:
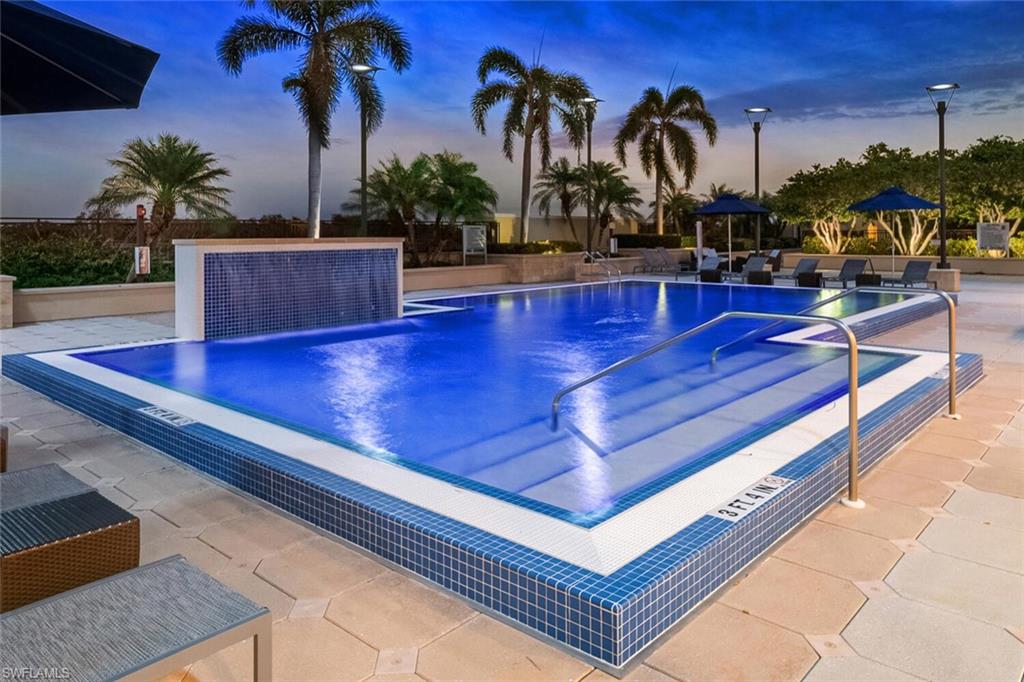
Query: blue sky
[839, 76]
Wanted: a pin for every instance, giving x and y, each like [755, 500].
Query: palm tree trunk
[313, 214]
[659, 209]
[524, 199]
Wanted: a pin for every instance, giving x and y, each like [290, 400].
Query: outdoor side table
[137, 625]
[57, 533]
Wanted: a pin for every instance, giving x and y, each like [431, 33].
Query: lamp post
[941, 95]
[364, 73]
[590, 111]
[756, 116]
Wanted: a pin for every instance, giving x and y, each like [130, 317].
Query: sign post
[142, 264]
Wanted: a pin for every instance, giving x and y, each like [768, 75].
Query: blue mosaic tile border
[609, 618]
[307, 289]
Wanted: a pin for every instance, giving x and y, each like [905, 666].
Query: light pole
[756, 116]
[364, 73]
[941, 95]
[590, 110]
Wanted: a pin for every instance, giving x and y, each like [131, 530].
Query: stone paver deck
[927, 582]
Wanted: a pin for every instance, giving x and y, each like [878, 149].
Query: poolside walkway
[926, 583]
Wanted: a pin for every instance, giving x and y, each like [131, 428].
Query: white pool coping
[603, 548]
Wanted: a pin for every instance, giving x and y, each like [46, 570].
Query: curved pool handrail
[950, 329]
[851, 341]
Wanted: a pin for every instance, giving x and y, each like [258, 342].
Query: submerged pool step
[561, 473]
[481, 454]
[638, 418]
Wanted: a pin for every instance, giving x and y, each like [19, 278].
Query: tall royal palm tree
[167, 172]
[564, 183]
[533, 94]
[333, 35]
[655, 124]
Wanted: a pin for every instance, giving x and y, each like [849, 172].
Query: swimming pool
[425, 440]
[466, 394]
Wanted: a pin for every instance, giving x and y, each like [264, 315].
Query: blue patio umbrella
[730, 205]
[50, 61]
[892, 199]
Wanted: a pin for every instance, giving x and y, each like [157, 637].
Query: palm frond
[500, 60]
[252, 36]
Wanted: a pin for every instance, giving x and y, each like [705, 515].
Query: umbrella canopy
[53, 62]
[892, 199]
[731, 204]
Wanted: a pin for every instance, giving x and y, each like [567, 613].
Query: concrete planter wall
[21, 306]
[531, 269]
[967, 266]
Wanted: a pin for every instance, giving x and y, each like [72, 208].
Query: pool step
[475, 456]
[636, 416]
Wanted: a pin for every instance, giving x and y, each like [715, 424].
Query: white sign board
[993, 236]
[474, 241]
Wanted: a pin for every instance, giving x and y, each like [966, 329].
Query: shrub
[534, 248]
[964, 248]
[862, 245]
[62, 261]
[813, 245]
[1017, 247]
[651, 241]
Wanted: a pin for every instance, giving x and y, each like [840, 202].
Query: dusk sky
[839, 76]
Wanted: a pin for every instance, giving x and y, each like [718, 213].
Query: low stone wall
[418, 279]
[531, 269]
[883, 264]
[66, 303]
[21, 306]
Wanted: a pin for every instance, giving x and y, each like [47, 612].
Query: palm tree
[677, 206]
[655, 125]
[335, 35]
[613, 196]
[457, 192]
[167, 172]
[564, 183]
[716, 191]
[533, 93]
[398, 193]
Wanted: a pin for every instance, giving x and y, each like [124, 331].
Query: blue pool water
[467, 394]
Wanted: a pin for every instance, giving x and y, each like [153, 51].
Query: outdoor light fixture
[941, 95]
[590, 105]
[365, 73]
[756, 116]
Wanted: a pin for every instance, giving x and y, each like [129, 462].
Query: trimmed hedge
[649, 241]
[955, 248]
[535, 248]
[64, 261]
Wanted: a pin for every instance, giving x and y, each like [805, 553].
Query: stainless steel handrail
[851, 500]
[601, 261]
[951, 329]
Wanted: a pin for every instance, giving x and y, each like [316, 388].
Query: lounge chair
[804, 265]
[671, 264]
[137, 625]
[710, 264]
[58, 533]
[759, 277]
[914, 272]
[848, 273]
[652, 263]
[752, 264]
[775, 259]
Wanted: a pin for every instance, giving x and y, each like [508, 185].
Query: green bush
[651, 241]
[1017, 246]
[813, 245]
[62, 261]
[535, 248]
[964, 248]
[862, 245]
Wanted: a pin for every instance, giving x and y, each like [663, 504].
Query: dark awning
[53, 62]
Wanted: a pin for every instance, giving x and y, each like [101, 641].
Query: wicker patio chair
[57, 533]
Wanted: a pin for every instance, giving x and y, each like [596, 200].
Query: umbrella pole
[892, 245]
[729, 221]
